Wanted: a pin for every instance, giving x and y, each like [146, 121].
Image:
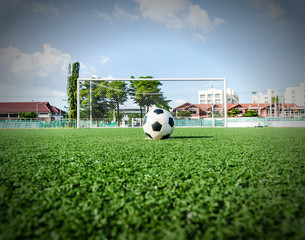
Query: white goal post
[224, 80]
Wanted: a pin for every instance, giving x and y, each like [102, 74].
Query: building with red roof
[45, 111]
[263, 109]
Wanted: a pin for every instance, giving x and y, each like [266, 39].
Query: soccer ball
[158, 124]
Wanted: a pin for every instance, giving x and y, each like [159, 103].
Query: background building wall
[295, 95]
[216, 96]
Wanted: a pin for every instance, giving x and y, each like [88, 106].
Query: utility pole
[258, 109]
[270, 110]
[90, 104]
[213, 121]
[275, 103]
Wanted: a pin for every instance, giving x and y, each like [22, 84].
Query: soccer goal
[123, 102]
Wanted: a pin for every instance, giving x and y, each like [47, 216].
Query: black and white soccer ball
[158, 124]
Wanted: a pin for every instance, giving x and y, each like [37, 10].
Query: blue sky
[255, 44]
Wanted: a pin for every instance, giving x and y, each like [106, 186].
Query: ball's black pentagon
[144, 120]
[171, 121]
[158, 111]
[165, 136]
[148, 135]
[156, 126]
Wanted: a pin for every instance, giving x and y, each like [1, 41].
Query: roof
[230, 106]
[17, 107]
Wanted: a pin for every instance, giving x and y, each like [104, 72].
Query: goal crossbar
[224, 80]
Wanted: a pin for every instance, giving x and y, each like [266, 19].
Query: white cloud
[120, 12]
[164, 11]
[179, 13]
[109, 77]
[37, 6]
[176, 14]
[102, 15]
[43, 7]
[269, 7]
[199, 18]
[60, 94]
[104, 59]
[8, 55]
[37, 63]
[86, 71]
[200, 37]
[180, 102]
[219, 21]
[38, 76]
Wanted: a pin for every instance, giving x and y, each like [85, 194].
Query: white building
[295, 95]
[216, 96]
[259, 97]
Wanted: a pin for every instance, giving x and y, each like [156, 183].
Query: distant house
[45, 111]
[263, 109]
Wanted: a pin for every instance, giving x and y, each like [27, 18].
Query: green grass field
[113, 184]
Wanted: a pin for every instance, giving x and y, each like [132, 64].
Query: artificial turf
[203, 183]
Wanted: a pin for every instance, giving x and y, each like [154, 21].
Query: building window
[217, 101]
[217, 95]
[202, 96]
[210, 95]
[3, 115]
[202, 101]
[209, 101]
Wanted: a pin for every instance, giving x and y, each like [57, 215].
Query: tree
[99, 100]
[215, 114]
[147, 94]
[184, 114]
[234, 112]
[116, 92]
[251, 113]
[72, 89]
[275, 99]
[133, 115]
[28, 115]
[111, 116]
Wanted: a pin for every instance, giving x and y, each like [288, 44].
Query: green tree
[251, 113]
[28, 115]
[116, 92]
[147, 94]
[99, 100]
[216, 114]
[184, 114]
[234, 112]
[133, 115]
[72, 89]
[111, 115]
[276, 98]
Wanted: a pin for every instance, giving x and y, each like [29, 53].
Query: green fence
[53, 124]
[36, 124]
[206, 122]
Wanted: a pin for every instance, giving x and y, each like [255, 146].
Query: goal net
[123, 102]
